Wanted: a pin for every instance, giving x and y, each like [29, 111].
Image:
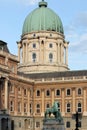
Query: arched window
[48, 93]
[47, 105]
[34, 57]
[79, 91]
[50, 57]
[57, 92]
[38, 92]
[79, 109]
[26, 123]
[68, 92]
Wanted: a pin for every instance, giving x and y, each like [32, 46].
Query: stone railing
[73, 78]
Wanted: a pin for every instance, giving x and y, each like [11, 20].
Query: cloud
[23, 2]
[81, 19]
[76, 33]
[28, 2]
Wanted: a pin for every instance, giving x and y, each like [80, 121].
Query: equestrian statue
[53, 110]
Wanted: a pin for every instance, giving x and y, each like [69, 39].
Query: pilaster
[63, 103]
[6, 93]
[73, 101]
[42, 92]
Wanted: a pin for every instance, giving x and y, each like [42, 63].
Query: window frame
[68, 124]
[79, 108]
[50, 45]
[68, 108]
[11, 106]
[34, 56]
[58, 93]
[38, 94]
[68, 92]
[50, 57]
[34, 45]
[48, 93]
[80, 91]
[38, 108]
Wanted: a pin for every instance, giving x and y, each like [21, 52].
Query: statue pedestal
[53, 124]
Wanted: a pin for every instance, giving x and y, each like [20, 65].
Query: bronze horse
[53, 110]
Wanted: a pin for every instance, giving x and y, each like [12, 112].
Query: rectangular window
[30, 108]
[11, 106]
[38, 124]
[67, 124]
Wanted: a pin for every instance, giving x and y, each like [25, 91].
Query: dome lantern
[42, 4]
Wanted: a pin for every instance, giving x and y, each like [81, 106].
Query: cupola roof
[42, 19]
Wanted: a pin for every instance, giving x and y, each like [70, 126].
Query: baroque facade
[39, 75]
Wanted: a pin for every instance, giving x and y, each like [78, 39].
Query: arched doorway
[4, 124]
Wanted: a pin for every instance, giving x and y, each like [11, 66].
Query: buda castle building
[32, 81]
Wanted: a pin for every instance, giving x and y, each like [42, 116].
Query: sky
[73, 14]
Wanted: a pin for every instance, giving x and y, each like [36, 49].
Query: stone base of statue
[53, 119]
[53, 124]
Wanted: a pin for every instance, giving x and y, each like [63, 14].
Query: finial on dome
[42, 4]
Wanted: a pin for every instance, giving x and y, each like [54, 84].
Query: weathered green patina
[54, 110]
[42, 19]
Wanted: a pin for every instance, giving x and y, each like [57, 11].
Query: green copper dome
[42, 19]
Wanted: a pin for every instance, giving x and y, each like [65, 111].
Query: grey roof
[3, 46]
[55, 74]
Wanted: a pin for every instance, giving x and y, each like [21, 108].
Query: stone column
[6, 93]
[28, 102]
[63, 103]
[66, 53]
[19, 45]
[22, 104]
[62, 60]
[84, 102]
[52, 90]
[16, 100]
[60, 53]
[42, 92]
[26, 52]
[44, 52]
[57, 53]
[39, 51]
[23, 52]
[73, 101]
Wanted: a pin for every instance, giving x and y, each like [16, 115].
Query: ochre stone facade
[38, 76]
